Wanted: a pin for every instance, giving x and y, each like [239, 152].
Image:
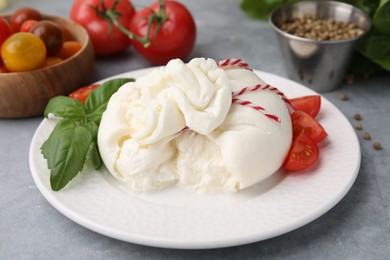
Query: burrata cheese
[178, 125]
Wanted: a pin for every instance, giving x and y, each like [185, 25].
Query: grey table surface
[358, 227]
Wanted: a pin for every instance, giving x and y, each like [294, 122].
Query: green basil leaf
[65, 151]
[376, 47]
[93, 158]
[260, 9]
[381, 19]
[65, 107]
[52, 144]
[361, 65]
[97, 100]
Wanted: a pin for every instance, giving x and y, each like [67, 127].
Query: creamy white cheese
[228, 147]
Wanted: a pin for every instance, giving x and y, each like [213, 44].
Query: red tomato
[174, 38]
[5, 30]
[81, 94]
[27, 25]
[303, 154]
[304, 123]
[106, 38]
[23, 14]
[3, 69]
[308, 104]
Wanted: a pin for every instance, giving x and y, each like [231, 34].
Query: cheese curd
[177, 125]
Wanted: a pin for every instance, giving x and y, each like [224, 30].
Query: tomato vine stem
[111, 15]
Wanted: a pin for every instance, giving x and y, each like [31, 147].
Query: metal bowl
[320, 65]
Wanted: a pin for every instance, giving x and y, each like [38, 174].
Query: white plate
[175, 218]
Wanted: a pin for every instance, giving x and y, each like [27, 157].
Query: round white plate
[175, 218]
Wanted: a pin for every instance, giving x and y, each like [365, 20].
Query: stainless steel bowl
[320, 65]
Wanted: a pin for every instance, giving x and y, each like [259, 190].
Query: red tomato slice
[81, 94]
[304, 123]
[303, 154]
[308, 104]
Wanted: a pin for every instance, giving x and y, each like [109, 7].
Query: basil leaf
[51, 145]
[93, 158]
[65, 151]
[361, 65]
[381, 19]
[376, 47]
[65, 107]
[260, 9]
[97, 100]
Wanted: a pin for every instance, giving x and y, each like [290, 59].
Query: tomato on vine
[163, 31]
[106, 38]
[170, 28]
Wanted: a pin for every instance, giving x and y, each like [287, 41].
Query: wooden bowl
[26, 94]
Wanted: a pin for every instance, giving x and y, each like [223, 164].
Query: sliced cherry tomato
[23, 52]
[81, 94]
[27, 25]
[69, 48]
[303, 154]
[50, 34]
[106, 38]
[308, 104]
[304, 123]
[5, 30]
[172, 35]
[23, 14]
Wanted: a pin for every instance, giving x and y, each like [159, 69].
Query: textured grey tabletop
[358, 227]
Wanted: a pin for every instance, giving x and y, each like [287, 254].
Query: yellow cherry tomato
[23, 51]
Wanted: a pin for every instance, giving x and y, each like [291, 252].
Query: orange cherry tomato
[69, 48]
[23, 52]
[52, 61]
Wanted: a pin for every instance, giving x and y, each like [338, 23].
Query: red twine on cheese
[233, 63]
[238, 63]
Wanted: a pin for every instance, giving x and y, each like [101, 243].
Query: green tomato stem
[111, 15]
